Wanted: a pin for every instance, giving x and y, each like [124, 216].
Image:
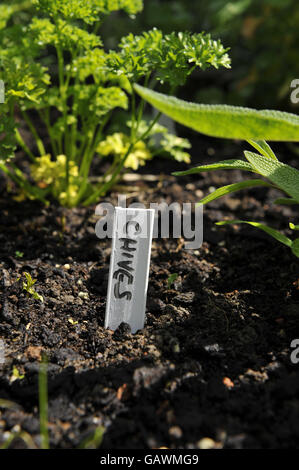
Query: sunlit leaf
[230, 122]
[280, 174]
[233, 164]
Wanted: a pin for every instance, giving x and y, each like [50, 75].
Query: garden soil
[212, 366]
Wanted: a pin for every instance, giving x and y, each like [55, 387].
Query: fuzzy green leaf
[231, 188]
[233, 164]
[98, 100]
[25, 79]
[226, 121]
[5, 13]
[62, 34]
[264, 148]
[172, 57]
[280, 174]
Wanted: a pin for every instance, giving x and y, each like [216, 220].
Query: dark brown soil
[213, 360]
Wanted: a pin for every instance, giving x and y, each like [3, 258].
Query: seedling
[16, 375]
[19, 254]
[251, 125]
[172, 278]
[28, 287]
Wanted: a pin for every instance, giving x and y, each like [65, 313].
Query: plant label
[129, 267]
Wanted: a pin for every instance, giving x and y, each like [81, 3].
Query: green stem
[33, 130]
[22, 144]
[133, 130]
[46, 120]
[88, 157]
[103, 190]
[146, 133]
[63, 94]
[18, 178]
[106, 186]
[142, 103]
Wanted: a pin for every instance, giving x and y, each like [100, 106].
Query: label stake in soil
[129, 267]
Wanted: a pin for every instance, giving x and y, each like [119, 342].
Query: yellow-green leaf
[231, 122]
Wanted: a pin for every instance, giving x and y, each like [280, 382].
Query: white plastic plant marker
[129, 267]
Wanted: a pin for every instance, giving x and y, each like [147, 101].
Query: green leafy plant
[28, 287]
[248, 124]
[66, 87]
[16, 375]
[262, 34]
[172, 278]
[19, 254]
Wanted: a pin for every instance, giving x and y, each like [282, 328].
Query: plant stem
[22, 144]
[46, 119]
[38, 140]
[106, 186]
[63, 94]
[87, 158]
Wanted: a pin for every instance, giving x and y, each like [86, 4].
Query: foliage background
[263, 36]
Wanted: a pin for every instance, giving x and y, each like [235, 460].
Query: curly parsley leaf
[173, 57]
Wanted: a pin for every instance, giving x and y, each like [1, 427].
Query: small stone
[146, 377]
[80, 282]
[228, 382]
[83, 295]
[34, 352]
[122, 331]
[199, 193]
[206, 443]
[232, 203]
[16, 428]
[69, 299]
[175, 431]
[67, 266]
[185, 298]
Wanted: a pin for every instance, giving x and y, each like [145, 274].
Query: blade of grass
[94, 440]
[224, 165]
